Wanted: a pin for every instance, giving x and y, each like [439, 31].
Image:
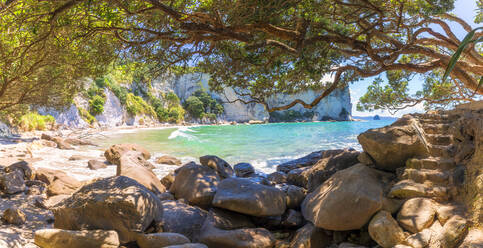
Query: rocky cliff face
[336, 106]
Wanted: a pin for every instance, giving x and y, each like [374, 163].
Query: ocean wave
[182, 132]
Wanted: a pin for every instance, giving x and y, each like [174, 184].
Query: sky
[465, 9]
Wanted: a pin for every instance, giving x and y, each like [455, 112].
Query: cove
[263, 145]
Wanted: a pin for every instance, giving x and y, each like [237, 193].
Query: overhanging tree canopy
[265, 47]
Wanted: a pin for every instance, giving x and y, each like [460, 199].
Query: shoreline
[295, 183]
[19, 135]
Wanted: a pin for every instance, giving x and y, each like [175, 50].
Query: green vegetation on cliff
[86, 116]
[136, 105]
[201, 105]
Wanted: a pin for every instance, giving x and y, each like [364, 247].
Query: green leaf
[457, 54]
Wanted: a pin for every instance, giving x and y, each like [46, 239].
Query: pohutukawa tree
[261, 48]
[43, 55]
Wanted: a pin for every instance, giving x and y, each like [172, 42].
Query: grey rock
[197, 184]
[244, 196]
[182, 218]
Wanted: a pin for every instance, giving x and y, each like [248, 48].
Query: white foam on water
[181, 132]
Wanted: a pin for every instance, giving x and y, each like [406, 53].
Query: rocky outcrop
[336, 106]
[430, 201]
[115, 203]
[114, 113]
[69, 117]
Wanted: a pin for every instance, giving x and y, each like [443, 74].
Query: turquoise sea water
[265, 145]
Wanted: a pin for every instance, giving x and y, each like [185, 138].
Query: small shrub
[33, 121]
[86, 116]
[96, 105]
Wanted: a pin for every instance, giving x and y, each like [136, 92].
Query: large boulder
[346, 201]
[219, 165]
[131, 165]
[196, 184]
[385, 230]
[115, 152]
[391, 146]
[245, 196]
[57, 238]
[161, 239]
[327, 166]
[182, 218]
[115, 203]
[221, 229]
[417, 214]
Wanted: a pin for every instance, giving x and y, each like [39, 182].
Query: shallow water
[265, 145]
